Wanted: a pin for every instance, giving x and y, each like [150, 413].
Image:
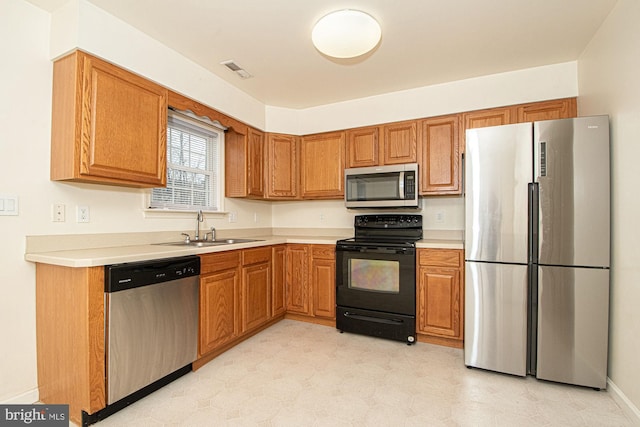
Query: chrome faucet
[211, 233]
[199, 219]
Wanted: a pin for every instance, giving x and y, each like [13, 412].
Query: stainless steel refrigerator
[537, 232]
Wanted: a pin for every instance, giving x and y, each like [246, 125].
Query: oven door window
[374, 275]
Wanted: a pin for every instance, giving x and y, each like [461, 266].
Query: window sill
[180, 214]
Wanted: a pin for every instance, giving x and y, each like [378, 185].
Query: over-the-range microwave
[389, 186]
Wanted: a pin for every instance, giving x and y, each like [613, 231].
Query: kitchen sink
[203, 243]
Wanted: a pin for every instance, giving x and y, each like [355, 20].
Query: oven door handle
[376, 250]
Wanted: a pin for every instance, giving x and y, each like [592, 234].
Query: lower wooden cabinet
[278, 270]
[323, 281]
[297, 279]
[219, 300]
[256, 288]
[236, 296]
[440, 297]
[310, 282]
[70, 337]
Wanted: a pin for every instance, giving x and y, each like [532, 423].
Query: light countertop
[92, 254]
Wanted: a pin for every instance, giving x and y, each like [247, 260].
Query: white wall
[534, 84]
[608, 73]
[31, 37]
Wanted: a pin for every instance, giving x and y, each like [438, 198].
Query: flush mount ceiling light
[346, 33]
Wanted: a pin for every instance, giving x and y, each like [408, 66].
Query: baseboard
[629, 409]
[26, 398]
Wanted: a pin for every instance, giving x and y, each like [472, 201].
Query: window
[193, 165]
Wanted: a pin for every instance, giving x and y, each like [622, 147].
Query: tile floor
[300, 374]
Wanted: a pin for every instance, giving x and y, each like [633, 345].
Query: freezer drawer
[495, 330]
[573, 319]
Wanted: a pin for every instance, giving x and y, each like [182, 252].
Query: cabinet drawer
[219, 261]
[323, 251]
[440, 257]
[253, 256]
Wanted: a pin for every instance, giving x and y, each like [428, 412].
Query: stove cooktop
[398, 229]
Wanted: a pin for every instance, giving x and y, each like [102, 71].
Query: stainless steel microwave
[389, 186]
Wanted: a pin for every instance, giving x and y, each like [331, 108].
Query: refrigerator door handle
[532, 314]
[534, 201]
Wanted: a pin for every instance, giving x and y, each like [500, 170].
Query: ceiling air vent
[236, 68]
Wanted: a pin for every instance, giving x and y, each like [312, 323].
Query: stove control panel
[388, 221]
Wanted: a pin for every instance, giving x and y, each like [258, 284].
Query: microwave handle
[401, 186]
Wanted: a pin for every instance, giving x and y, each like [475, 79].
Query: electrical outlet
[233, 216]
[57, 212]
[440, 216]
[255, 217]
[82, 213]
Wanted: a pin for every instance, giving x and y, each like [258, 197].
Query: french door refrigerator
[537, 234]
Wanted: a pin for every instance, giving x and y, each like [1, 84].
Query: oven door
[380, 278]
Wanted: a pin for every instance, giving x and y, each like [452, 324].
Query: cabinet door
[363, 147]
[282, 166]
[255, 163]
[439, 310]
[236, 163]
[256, 288]
[278, 273]
[485, 118]
[219, 319]
[323, 280]
[124, 125]
[108, 125]
[323, 166]
[439, 156]
[297, 279]
[399, 142]
[547, 110]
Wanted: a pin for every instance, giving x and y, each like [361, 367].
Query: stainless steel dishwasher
[151, 325]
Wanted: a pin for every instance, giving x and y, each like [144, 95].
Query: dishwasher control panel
[119, 277]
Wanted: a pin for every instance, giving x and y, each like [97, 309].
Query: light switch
[8, 204]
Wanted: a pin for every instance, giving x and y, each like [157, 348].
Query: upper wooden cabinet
[322, 166]
[389, 144]
[399, 142]
[244, 163]
[363, 147]
[108, 125]
[546, 110]
[282, 161]
[489, 117]
[439, 156]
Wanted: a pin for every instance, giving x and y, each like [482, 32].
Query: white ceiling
[424, 42]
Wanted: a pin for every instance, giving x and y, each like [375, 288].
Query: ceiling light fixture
[346, 33]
